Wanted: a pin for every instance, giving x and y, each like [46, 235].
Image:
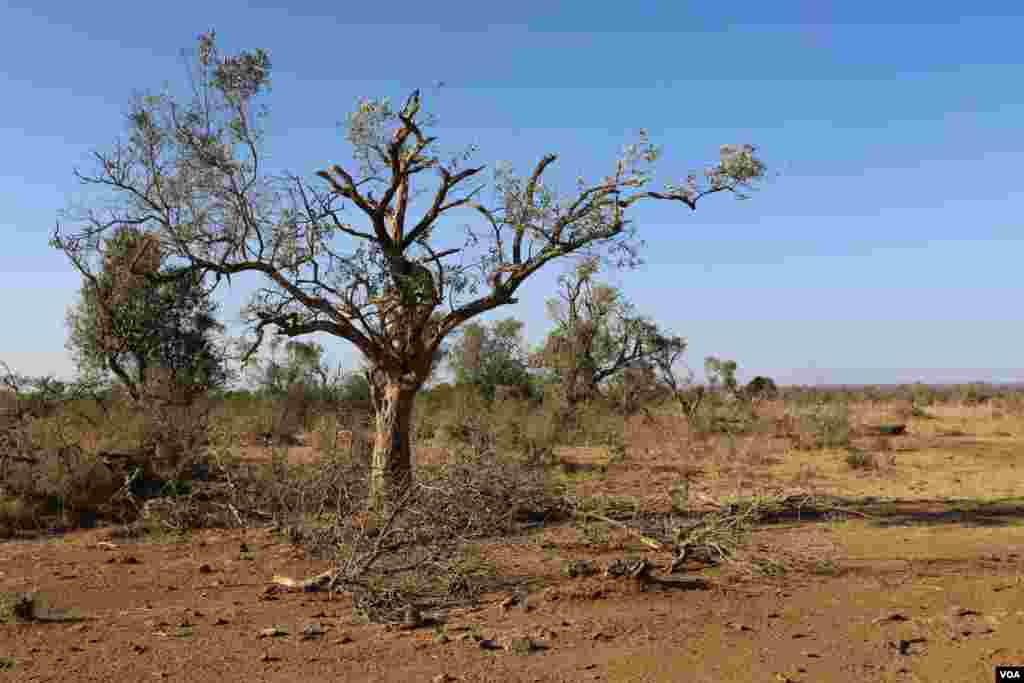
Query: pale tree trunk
[391, 460]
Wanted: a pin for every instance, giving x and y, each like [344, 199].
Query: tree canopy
[156, 338]
[598, 336]
[489, 356]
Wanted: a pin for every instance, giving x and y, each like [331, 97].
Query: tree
[761, 388]
[301, 366]
[155, 338]
[635, 385]
[721, 374]
[194, 172]
[354, 387]
[293, 365]
[490, 356]
[597, 337]
[689, 395]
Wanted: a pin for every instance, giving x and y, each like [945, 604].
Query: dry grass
[822, 444]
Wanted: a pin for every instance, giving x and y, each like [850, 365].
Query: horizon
[883, 250]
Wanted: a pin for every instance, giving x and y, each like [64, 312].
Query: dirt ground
[917, 578]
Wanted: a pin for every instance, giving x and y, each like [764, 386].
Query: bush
[825, 425]
[860, 460]
[72, 454]
[977, 393]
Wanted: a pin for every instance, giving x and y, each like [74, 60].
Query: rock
[312, 631]
[891, 429]
[736, 626]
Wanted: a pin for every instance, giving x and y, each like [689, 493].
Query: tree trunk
[391, 461]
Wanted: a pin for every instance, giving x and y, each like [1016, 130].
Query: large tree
[394, 283]
[156, 338]
[598, 336]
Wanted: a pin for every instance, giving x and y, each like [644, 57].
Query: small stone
[735, 626]
[312, 631]
[205, 569]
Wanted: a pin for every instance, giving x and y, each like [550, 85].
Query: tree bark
[391, 460]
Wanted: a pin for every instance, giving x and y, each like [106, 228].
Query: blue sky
[885, 248]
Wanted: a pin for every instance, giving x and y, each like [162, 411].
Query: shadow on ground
[915, 512]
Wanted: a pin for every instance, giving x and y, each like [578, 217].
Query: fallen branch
[311, 585]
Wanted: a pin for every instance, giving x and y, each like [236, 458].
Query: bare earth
[923, 583]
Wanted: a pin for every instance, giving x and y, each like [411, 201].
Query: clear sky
[887, 247]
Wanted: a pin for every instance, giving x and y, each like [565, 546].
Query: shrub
[860, 460]
[823, 426]
[977, 393]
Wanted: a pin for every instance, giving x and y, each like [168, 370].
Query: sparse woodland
[453, 433]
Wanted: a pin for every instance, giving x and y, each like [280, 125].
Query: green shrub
[860, 460]
[824, 425]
